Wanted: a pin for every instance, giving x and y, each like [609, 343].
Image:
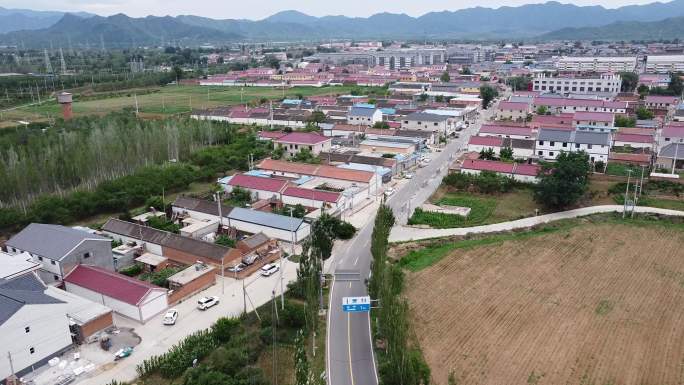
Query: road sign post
[356, 304]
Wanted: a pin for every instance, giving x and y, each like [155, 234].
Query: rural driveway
[406, 233]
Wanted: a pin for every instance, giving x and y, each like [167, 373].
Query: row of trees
[81, 153]
[401, 362]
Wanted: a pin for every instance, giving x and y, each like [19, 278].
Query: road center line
[351, 372]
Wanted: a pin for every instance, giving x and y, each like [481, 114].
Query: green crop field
[174, 100]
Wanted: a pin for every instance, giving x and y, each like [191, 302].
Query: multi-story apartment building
[597, 64]
[663, 64]
[390, 59]
[603, 84]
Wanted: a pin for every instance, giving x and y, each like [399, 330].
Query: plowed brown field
[595, 305]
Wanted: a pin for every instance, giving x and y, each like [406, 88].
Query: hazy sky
[258, 9]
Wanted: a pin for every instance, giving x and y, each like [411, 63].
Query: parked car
[237, 268]
[389, 191]
[205, 303]
[170, 317]
[408, 176]
[269, 269]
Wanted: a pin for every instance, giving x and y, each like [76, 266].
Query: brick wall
[102, 322]
[199, 284]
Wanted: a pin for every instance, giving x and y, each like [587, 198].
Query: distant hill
[116, 31]
[18, 19]
[670, 28]
[513, 22]
[527, 21]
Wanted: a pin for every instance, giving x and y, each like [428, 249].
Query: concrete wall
[131, 311]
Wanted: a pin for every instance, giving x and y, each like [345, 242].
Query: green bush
[132, 271]
[293, 315]
[344, 230]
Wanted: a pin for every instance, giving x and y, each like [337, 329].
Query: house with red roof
[504, 131]
[127, 296]
[295, 142]
[312, 198]
[478, 143]
[517, 111]
[521, 172]
[594, 121]
[635, 141]
[260, 187]
[671, 133]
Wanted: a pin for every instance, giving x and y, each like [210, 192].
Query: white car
[269, 269]
[389, 191]
[408, 176]
[170, 317]
[205, 303]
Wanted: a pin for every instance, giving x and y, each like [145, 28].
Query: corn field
[173, 363]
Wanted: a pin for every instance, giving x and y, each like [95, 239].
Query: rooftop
[257, 183]
[111, 284]
[174, 241]
[50, 241]
[303, 138]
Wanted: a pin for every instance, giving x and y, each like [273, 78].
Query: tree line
[79, 154]
[400, 362]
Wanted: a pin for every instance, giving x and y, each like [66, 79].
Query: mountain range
[551, 20]
[18, 19]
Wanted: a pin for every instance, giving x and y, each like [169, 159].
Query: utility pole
[674, 161]
[274, 322]
[136, 104]
[217, 196]
[9, 357]
[624, 208]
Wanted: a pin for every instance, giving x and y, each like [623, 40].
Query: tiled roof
[631, 158]
[505, 130]
[493, 141]
[526, 169]
[594, 116]
[23, 290]
[257, 183]
[513, 106]
[302, 138]
[661, 99]
[318, 195]
[50, 241]
[271, 134]
[633, 138]
[488, 165]
[315, 170]
[673, 131]
[114, 285]
[289, 167]
[173, 241]
[567, 102]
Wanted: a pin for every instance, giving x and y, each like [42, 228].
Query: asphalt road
[349, 357]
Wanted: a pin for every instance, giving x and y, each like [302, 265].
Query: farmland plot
[597, 304]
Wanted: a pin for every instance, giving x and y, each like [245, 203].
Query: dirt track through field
[595, 305]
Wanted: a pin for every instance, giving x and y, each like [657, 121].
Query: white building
[35, 318]
[364, 115]
[597, 64]
[422, 121]
[663, 64]
[606, 83]
[551, 142]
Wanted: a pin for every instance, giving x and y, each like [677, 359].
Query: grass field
[484, 209]
[171, 100]
[599, 301]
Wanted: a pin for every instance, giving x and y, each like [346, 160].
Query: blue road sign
[356, 304]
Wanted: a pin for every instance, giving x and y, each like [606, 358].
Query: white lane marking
[370, 337]
[356, 260]
[350, 285]
[327, 345]
[351, 372]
